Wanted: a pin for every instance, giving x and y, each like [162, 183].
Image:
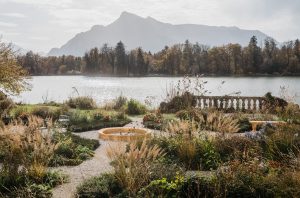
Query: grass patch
[73, 149]
[82, 120]
[103, 186]
[134, 107]
[157, 121]
[26, 154]
[81, 102]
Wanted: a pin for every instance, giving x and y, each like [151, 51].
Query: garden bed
[73, 150]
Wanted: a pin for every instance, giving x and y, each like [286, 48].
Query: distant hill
[152, 35]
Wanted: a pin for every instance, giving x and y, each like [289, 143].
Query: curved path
[89, 168]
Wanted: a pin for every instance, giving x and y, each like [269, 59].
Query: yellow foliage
[12, 76]
[26, 148]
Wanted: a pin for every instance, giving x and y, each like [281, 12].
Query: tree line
[179, 59]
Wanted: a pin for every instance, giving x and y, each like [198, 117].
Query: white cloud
[58, 3]
[7, 24]
[39, 38]
[13, 14]
[59, 20]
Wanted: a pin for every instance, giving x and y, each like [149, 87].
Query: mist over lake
[60, 88]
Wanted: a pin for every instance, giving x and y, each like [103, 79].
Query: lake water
[60, 88]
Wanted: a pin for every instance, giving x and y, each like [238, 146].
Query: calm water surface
[60, 88]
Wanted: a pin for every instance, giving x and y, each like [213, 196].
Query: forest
[269, 58]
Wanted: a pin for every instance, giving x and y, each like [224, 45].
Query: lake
[60, 88]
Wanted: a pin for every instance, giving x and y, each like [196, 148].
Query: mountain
[152, 35]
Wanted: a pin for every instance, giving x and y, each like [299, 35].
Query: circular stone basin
[123, 133]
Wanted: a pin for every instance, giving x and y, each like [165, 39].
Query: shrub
[1, 125]
[244, 124]
[238, 148]
[103, 186]
[153, 120]
[82, 120]
[212, 120]
[134, 107]
[192, 154]
[218, 121]
[255, 180]
[187, 153]
[162, 188]
[45, 112]
[82, 102]
[120, 102]
[78, 116]
[191, 114]
[27, 152]
[272, 103]
[282, 143]
[291, 113]
[5, 104]
[19, 111]
[132, 169]
[73, 149]
[26, 187]
[183, 128]
[210, 157]
[199, 185]
[177, 103]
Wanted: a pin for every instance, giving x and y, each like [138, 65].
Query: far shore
[176, 76]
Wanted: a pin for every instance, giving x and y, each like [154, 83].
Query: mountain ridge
[152, 35]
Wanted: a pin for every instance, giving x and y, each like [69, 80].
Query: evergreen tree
[187, 58]
[92, 59]
[140, 62]
[297, 49]
[269, 56]
[120, 59]
[254, 55]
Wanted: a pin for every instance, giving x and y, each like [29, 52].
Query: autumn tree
[235, 58]
[179, 59]
[92, 60]
[13, 78]
[297, 49]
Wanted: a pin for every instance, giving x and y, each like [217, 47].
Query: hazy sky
[40, 25]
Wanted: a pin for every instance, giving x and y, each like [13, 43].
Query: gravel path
[92, 167]
[89, 168]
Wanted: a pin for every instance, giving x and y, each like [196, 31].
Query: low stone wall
[112, 133]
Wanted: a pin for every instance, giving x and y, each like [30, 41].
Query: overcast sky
[40, 25]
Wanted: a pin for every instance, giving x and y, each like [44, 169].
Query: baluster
[215, 103]
[229, 103]
[260, 104]
[201, 107]
[235, 104]
[210, 102]
[221, 103]
[243, 104]
[257, 105]
[197, 103]
[224, 103]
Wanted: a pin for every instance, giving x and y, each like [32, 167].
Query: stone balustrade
[239, 103]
